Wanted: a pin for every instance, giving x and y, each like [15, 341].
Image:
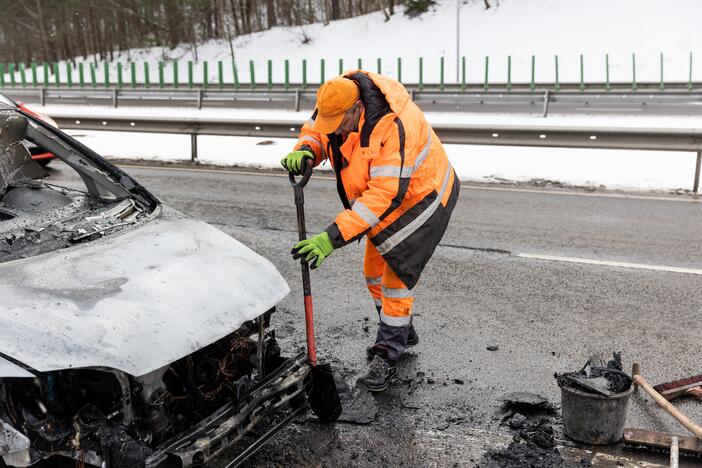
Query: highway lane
[544, 315]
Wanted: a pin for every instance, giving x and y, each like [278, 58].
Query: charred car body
[130, 334]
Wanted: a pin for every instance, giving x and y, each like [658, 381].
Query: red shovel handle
[309, 322]
[302, 232]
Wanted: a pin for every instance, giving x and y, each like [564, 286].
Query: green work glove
[293, 162]
[314, 250]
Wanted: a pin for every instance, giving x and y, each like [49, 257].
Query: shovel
[323, 397]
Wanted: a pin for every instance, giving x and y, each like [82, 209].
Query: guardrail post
[696, 182]
[557, 84]
[146, 74]
[132, 67]
[509, 73]
[463, 73]
[81, 75]
[42, 96]
[661, 86]
[57, 75]
[533, 72]
[114, 97]
[220, 73]
[689, 80]
[69, 74]
[441, 75]
[23, 76]
[175, 74]
[287, 74]
[235, 71]
[12, 74]
[46, 74]
[399, 69]
[304, 74]
[360, 64]
[341, 66]
[297, 100]
[421, 73]
[252, 75]
[270, 74]
[160, 74]
[193, 147]
[93, 78]
[487, 72]
[607, 86]
[120, 80]
[633, 72]
[34, 74]
[321, 72]
[380, 68]
[199, 98]
[582, 73]
[205, 75]
[190, 73]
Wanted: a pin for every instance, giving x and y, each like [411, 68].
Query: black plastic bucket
[594, 419]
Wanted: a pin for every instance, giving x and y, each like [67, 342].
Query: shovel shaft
[309, 322]
[306, 287]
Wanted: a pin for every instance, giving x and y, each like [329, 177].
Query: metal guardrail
[662, 139]
[542, 101]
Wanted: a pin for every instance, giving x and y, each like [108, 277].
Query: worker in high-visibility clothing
[398, 189]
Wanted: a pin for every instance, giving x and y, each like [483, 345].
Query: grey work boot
[380, 373]
[412, 340]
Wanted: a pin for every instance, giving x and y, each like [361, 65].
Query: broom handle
[665, 404]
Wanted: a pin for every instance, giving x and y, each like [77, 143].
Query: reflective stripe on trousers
[387, 289]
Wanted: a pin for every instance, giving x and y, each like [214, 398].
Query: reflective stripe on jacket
[393, 177]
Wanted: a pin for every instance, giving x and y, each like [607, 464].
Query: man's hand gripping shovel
[323, 396]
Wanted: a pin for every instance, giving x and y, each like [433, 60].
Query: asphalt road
[546, 316]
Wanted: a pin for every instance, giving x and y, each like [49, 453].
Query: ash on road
[445, 408]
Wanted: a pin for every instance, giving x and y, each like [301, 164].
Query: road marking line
[463, 185]
[582, 194]
[609, 109]
[639, 266]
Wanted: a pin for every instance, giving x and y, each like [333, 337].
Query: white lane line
[583, 194]
[588, 261]
[609, 109]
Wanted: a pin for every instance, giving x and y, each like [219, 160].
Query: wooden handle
[665, 404]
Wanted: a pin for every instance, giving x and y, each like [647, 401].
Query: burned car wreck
[130, 334]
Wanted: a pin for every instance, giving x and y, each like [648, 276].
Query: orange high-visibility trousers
[394, 303]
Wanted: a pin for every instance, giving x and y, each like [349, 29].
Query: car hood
[134, 302]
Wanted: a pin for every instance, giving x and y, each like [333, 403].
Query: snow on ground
[520, 28]
[613, 169]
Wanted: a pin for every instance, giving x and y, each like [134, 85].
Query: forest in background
[53, 30]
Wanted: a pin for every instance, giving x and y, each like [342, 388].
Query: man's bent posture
[398, 189]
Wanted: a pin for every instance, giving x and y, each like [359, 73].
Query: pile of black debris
[531, 418]
[599, 376]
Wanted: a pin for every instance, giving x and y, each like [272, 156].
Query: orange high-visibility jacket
[393, 177]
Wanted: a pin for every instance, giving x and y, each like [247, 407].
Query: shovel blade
[323, 396]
